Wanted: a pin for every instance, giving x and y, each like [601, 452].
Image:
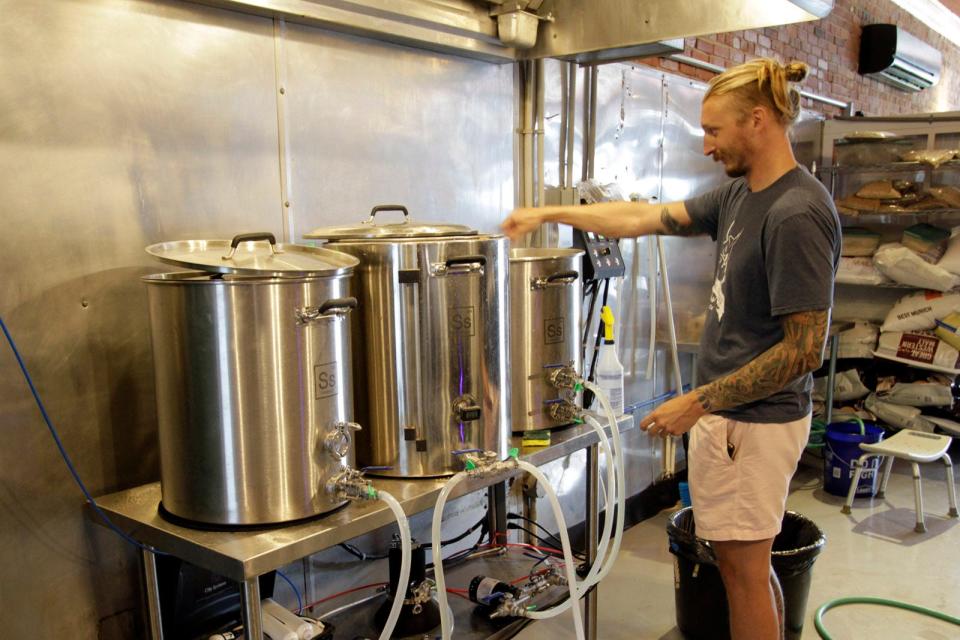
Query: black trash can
[701, 600]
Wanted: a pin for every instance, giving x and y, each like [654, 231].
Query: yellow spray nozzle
[606, 315]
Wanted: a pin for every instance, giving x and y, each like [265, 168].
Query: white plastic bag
[897, 415]
[920, 311]
[859, 342]
[904, 266]
[846, 386]
[859, 271]
[918, 394]
[921, 350]
[951, 259]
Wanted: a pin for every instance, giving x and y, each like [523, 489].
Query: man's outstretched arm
[611, 219]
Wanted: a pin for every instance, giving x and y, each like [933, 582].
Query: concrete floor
[872, 552]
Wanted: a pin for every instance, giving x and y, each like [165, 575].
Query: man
[766, 326]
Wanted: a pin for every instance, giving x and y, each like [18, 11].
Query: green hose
[839, 602]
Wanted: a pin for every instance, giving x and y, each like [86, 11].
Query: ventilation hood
[603, 30]
[582, 30]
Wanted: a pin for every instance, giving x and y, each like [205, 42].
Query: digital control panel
[603, 259]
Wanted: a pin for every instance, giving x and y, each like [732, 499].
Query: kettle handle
[252, 237]
[335, 307]
[387, 207]
[460, 265]
[556, 280]
[339, 306]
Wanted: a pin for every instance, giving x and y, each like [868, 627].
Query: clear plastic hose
[446, 618]
[568, 559]
[621, 477]
[406, 548]
[616, 495]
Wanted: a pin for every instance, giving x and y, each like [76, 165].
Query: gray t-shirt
[778, 253]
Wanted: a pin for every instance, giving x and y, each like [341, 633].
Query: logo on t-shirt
[717, 299]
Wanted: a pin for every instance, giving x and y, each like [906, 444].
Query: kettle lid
[369, 229]
[250, 254]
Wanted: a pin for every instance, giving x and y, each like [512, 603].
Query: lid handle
[387, 207]
[252, 237]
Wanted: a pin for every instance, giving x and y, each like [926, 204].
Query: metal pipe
[591, 150]
[715, 68]
[571, 115]
[831, 376]
[250, 602]
[528, 123]
[585, 165]
[152, 593]
[538, 131]
[593, 528]
[562, 147]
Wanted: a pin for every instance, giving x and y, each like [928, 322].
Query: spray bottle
[609, 369]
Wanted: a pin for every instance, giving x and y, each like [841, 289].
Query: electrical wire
[596, 344]
[839, 602]
[464, 554]
[517, 516]
[362, 555]
[355, 551]
[63, 451]
[512, 525]
[295, 590]
[343, 593]
[444, 543]
[592, 289]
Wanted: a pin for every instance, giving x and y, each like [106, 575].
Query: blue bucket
[841, 447]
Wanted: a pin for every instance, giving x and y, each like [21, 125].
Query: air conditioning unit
[893, 56]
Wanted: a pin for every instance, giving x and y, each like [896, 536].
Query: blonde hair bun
[796, 71]
[763, 81]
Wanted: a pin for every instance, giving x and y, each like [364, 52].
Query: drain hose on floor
[839, 602]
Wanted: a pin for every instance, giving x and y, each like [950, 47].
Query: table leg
[153, 594]
[592, 534]
[250, 601]
[497, 512]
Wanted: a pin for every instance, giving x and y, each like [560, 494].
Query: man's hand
[674, 417]
[522, 221]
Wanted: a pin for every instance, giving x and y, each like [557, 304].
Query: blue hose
[63, 452]
[295, 590]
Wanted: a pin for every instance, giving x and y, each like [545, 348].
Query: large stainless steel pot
[431, 345]
[253, 379]
[546, 294]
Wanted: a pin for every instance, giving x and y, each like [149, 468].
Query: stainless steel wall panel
[373, 123]
[121, 124]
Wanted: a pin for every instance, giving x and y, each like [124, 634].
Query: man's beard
[735, 169]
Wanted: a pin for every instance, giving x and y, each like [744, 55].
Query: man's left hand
[674, 417]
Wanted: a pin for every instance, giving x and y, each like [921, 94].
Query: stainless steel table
[244, 555]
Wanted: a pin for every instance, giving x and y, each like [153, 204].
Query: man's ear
[759, 117]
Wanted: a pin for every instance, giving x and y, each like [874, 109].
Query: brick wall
[831, 48]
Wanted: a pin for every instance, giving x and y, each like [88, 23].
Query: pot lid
[370, 230]
[253, 254]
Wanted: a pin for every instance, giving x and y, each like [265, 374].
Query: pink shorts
[739, 492]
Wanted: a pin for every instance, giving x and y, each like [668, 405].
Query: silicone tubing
[406, 547]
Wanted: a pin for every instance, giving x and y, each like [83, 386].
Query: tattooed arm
[799, 353]
[611, 219]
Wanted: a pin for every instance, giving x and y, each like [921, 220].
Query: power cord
[295, 590]
[63, 451]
